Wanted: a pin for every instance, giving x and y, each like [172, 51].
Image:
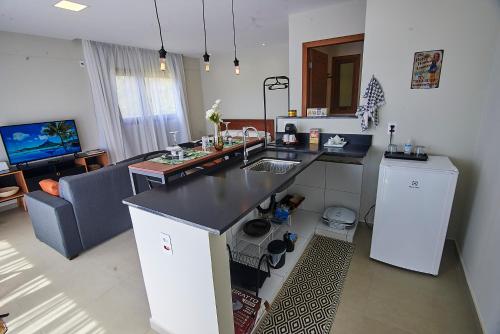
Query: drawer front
[314, 197]
[344, 177]
[342, 198]
[312, 176]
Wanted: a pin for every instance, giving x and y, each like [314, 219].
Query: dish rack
[248, 258]
[247, 271]
[257, 246]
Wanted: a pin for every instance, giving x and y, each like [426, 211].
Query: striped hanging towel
[373, 99]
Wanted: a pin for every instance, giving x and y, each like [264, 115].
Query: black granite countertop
[349, 150]
[357, 145]
[216, 202]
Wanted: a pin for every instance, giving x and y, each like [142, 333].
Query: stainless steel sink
[274, 166]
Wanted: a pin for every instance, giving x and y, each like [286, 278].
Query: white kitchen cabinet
[330, 183]
[344, 177]
[314, 197]
[313, 176]
[342, 198]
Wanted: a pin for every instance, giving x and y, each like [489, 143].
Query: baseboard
[473, 296]
[156, 327]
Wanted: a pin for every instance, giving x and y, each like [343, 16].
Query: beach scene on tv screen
[38, 141]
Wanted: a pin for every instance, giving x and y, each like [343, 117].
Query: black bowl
[257, 227]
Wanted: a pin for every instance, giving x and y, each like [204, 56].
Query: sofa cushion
[50, 186]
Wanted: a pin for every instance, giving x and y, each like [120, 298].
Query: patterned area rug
[307, 302]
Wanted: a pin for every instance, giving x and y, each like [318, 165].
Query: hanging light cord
[159, 25]
[234, 29]
[204, 26]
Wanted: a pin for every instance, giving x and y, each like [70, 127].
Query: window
[145, 96]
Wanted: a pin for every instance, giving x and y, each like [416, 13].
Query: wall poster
[427, 69]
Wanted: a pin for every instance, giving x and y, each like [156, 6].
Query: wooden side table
[14, 178]
[87, 160]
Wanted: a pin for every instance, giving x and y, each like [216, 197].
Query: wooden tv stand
[27, 178]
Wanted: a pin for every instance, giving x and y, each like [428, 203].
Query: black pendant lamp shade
[162, 52]
[206, 57]
[236, 61]
[236, 66]
[163, 59]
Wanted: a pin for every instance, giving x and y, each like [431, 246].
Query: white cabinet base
[313, 197]
[186, 275]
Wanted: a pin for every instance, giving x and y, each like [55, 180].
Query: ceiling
[133, 22]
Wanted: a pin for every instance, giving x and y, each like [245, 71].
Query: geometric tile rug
[307, 302]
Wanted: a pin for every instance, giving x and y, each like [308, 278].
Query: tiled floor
[378, 298]
[101, 291]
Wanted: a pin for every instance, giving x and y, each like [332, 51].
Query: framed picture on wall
[427, 69]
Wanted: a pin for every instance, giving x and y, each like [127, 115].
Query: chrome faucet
[245, 134]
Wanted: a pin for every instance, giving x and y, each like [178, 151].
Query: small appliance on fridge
[414, 200]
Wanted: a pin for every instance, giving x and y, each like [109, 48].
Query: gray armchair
[54, 223]
[88, 212]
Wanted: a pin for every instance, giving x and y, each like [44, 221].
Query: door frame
[306, 46]
[335, 89]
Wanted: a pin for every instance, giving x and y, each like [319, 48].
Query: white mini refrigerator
[414, 200]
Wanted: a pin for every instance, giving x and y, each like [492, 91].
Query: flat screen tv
[37, 141]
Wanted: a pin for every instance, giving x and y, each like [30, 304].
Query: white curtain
[137, 106]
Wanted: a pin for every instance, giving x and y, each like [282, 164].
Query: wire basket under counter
[248, 271]
[248, 255]
[242, 242]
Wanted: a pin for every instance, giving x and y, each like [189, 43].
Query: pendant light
[236, 61]
[206, 57]
[162, 52]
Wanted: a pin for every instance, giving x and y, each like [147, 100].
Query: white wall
[443, 119]
[41, 79]
[242, 95]
[479, 241]
[340, 19]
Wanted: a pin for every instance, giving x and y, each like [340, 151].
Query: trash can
[277, 253]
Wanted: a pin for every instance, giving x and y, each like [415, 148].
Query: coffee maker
[290, 136]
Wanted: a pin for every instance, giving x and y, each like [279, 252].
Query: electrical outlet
[166, 243]
[389, 125]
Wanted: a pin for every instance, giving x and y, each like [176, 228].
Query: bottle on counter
[408, 147]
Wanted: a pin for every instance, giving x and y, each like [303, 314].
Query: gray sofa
[88, 212]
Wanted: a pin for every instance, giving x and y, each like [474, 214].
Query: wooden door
[345, 84]
[318, 78]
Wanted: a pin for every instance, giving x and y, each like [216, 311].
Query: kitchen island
[180, 234]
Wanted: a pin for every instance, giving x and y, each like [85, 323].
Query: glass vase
[218, 140]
